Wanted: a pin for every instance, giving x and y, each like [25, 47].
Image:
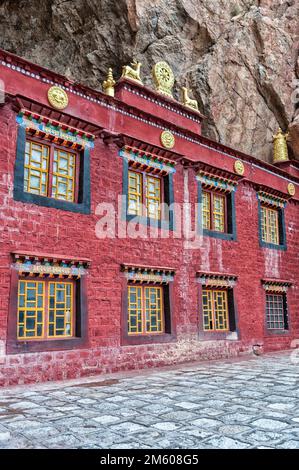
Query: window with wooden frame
[51, 170]
[276, 312]
[145, 310]
[270, 225]
[46, 309]
[144, 194]
[214, 210]
[215, 310]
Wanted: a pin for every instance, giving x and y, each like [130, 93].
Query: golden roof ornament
[280, 147]
[109, 84]
[291, 189]
[187, 101]
[239, 167]
[132, 72]
[163, 78]
[167, 139]
[58, 98]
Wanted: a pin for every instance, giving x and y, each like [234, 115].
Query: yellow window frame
[31, 310]
[215, 310]
[270, 225]
[68, 180]
[153, 198]
[213, 211]
[32, 170]
[135, 191]
[145, 310]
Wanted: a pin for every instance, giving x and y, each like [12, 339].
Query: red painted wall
[33, 228]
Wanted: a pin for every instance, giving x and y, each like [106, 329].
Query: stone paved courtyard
[246, 403]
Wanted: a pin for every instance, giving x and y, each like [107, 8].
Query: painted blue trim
[232, 236]
[282, 230]
[82, 207]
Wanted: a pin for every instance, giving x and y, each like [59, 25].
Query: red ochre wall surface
[31, 228]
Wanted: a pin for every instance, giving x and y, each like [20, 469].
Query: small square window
[276, 312]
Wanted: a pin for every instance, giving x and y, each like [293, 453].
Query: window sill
[148, 339]
[272, 246]
[270, 333]
[22, 196]
[218, 335]
[220, 235]
[23, 346]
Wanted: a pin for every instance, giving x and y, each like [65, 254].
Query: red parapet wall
[30, 228]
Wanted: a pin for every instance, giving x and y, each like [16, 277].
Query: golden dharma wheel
[167, 139]
[239, 167]
[291, 189]
[163, 78]
[58, 98]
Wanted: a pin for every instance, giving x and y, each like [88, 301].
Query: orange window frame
[46, 286]
[142, 289]
[50, 169]
[211, 212]
[212, 312]
[144, 198]
[268, 236]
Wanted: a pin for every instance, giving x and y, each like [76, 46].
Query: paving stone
[233, 429]
[179, 416]
[106, 419]
[187, 405]
[4, 436]
[166, 426]
[206, 423]
[281, 406]
[23, 405]
[269, 424]
[128, 428]
[289, 445]
[223, 442]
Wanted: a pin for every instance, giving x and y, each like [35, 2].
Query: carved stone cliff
[240, 57]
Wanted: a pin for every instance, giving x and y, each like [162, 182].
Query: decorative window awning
[271, 199]
[274, 285]
[35, 265]
[210, 181]
[55, 131]
[149, 275]
[147, 161]
[217, 279]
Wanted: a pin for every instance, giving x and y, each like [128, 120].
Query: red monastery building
[129, 240]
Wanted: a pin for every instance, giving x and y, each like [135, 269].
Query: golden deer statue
[193, 104]
[132, 72]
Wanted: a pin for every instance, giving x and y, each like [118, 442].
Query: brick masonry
[29, 227]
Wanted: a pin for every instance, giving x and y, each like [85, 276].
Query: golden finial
[187, 101]
[109, 84]
[280, 147]
[132, 72]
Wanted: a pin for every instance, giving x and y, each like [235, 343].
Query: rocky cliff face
[239, 57]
